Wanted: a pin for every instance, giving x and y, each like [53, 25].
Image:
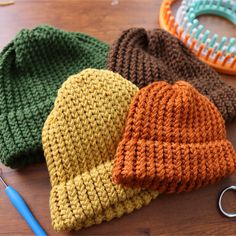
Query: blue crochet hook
[20, 205]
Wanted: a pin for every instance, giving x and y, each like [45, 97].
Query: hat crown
[87, 120]
[144, 57]
[46, 43]
[174, 113]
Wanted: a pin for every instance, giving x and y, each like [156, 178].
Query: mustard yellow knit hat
[80, 137]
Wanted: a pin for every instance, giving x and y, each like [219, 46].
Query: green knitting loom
[218, 52]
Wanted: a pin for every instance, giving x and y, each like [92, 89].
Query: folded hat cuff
[172, 167]
[90, 198]
[20, 137]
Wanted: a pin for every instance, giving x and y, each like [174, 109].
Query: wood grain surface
[192, 213]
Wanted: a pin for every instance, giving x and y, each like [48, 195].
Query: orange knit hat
[174, 141]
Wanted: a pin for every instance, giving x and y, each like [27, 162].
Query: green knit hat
[32, 68]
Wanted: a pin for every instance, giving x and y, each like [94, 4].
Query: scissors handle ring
[230, 215]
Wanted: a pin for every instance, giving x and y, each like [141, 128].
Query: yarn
[174, 141]
[80, 137]
[3, 4]
[144, 57]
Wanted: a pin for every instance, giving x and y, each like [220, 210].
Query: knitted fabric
[32, 68]
[80, 137]
[174, 141]
[144, 57]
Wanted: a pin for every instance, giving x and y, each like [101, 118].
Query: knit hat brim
[163, 169]
[89, 204]
[19, 143]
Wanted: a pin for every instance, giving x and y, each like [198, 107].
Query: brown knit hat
[144, 57]
[174, 141]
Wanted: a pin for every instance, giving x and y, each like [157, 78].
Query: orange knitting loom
[221, 61]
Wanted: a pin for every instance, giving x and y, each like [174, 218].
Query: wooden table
[193, 213]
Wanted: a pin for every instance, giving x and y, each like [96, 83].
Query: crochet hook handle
[22, 208]
[20, 205]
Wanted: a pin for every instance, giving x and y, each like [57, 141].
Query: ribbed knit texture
[144, 57]
[80, 137]
[32, 68]
[174, 141]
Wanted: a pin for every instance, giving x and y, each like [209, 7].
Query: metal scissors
[227, 214]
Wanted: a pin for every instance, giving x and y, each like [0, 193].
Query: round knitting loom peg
[214, 50]
[188, 28]
[219, 3]
[208, 53]
[205, 36]
[194, 25]
[185, 21]
[220, 57]
[180, 33]
[193, 33]
[230, 188]
[168, 14]
[211, 3]
[223, 40]
[233, 63]
[218, 54]
[200, 49]
[193, 44]
[206, 47]
[175, 28]
[186, 39]
[227, 57]
[234, 8]
[183, 9]
[198, 4]
[192, 16]
[200, 28]
[213, 40]
[191, 38]
[231, 43]
[171, 22]
[224, 51]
